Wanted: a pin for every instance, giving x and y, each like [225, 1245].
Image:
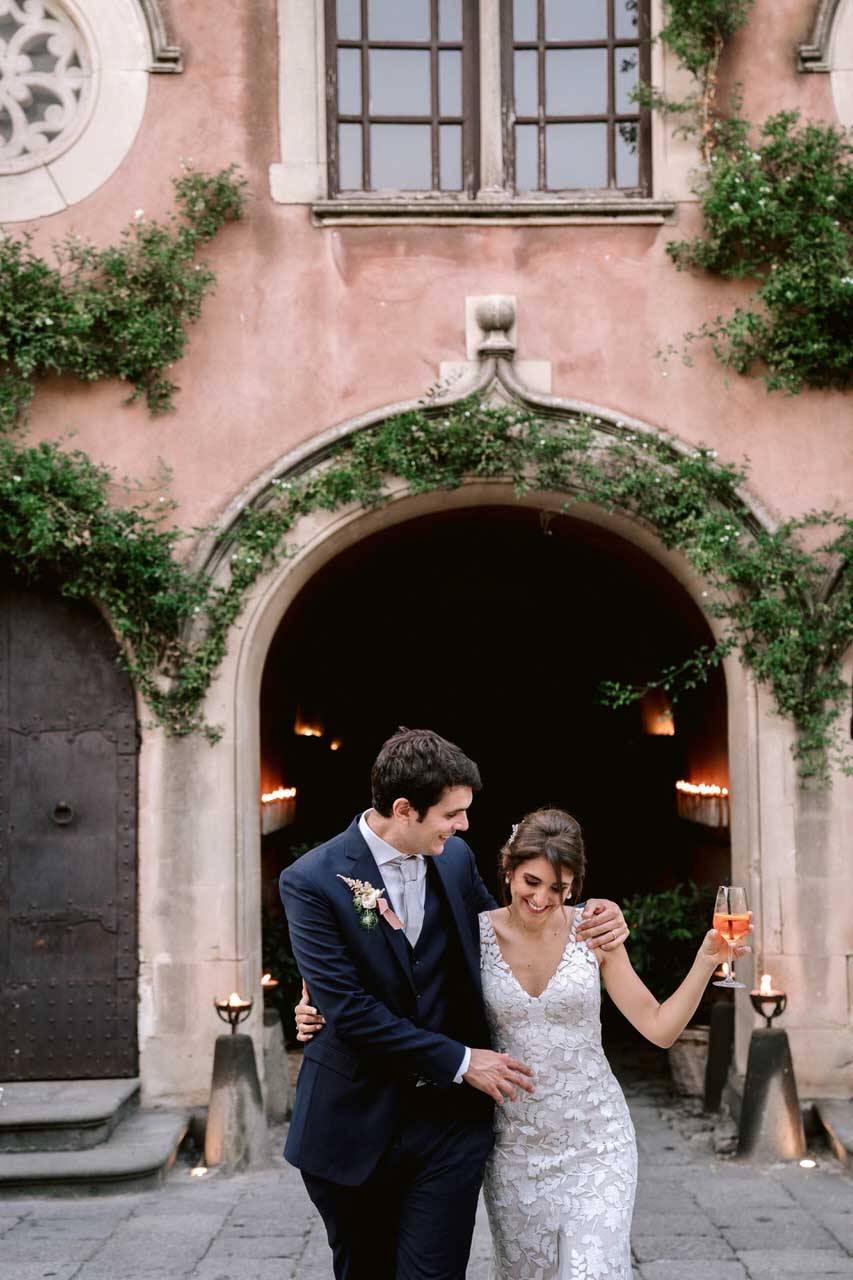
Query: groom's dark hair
[419, 765]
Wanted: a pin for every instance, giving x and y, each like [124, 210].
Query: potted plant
[666, 928]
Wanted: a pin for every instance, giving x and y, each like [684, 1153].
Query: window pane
[450, 83]
[399, 82]
[349, 19]
[349, 157]
[401, 157]
[575, 82]
[349, 82]
[450, 19]
[626, 62]
[627, 27]
[575, 19]
[525, 67]
[627, 155]
[450, 156]
[525, 20]
[526, 157]
[398, 19]
[576, 156]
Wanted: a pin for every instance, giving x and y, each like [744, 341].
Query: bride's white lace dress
[560, 1184]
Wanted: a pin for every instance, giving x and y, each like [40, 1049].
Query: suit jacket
[371, 1051]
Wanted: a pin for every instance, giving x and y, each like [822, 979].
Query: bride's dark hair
[546, 833]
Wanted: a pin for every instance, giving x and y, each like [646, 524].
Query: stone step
[63, 1115]
[836, 1119]
[138, 1155]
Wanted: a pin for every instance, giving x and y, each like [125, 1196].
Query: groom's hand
[497, 1074]
[602, 925]
[308, 1019]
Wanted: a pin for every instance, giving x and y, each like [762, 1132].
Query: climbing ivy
[696, 31]
[784, 600]
[776, 208]
[779, 210]
[57, 522]
[118, 312]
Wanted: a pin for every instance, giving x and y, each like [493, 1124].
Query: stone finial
[496, 317]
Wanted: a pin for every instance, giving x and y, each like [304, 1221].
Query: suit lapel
[364, 868]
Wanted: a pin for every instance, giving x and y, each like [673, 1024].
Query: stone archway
[201, 881]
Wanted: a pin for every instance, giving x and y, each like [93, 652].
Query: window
[47, 86]
[569, 70]
[73, 87]
[402, 95]
[471, 109]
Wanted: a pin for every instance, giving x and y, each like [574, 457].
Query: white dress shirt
[385, 856]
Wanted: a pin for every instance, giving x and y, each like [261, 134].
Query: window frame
[470, 118]
[611, 117]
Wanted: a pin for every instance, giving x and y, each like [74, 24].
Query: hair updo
[547, 833]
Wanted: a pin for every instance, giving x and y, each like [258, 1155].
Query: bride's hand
[715, 948]
[602, 925]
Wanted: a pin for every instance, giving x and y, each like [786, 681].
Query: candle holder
[234, 1010]
[269, 986]
[771, 1122]
[770, 1004]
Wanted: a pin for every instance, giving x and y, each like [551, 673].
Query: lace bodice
[560, 1184]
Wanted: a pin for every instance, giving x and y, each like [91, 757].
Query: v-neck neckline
[508, 966]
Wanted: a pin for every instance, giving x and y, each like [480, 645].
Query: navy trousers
[414, 1217]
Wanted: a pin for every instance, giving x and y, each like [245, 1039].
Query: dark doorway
[496, 626]
[68, 756]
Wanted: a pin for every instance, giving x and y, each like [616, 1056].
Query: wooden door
[68, 755]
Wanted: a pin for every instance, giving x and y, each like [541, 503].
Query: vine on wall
[788, 609]
[776, 208]
[119, 312]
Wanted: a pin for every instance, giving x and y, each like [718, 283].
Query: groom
[392, 1123]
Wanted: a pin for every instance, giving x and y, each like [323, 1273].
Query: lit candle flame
[198, 1172]
[701, 788]
[305, 729]
[335, 744]
[766, 985]
[280, 793]
[236, 1001]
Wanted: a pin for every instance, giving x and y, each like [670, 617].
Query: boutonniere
[370, 904]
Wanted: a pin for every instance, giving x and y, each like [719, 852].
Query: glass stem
[731, 962]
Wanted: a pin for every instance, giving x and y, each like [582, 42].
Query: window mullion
[434, 103]
[611, 94]
[365, 101]
[540, 64]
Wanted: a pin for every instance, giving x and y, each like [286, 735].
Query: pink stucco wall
[310, 326]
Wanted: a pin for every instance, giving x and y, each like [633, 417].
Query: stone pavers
[698, 1217]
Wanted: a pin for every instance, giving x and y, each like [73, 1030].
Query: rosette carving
[44, 82]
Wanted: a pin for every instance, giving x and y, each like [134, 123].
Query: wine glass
[732, 921]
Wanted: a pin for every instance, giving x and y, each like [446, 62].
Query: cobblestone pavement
[699, 1216]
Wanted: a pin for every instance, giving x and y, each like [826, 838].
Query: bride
[560, 1183]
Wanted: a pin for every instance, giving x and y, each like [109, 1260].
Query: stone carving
[496, 315]
[44, 82]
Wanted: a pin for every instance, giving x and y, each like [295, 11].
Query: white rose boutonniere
[368, 901]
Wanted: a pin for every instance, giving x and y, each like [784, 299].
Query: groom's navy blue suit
[391, 1150]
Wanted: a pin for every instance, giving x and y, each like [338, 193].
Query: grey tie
[413, 912]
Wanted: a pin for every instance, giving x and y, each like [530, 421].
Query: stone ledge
[138, 1155]
[63, 1115]
[446, 212]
